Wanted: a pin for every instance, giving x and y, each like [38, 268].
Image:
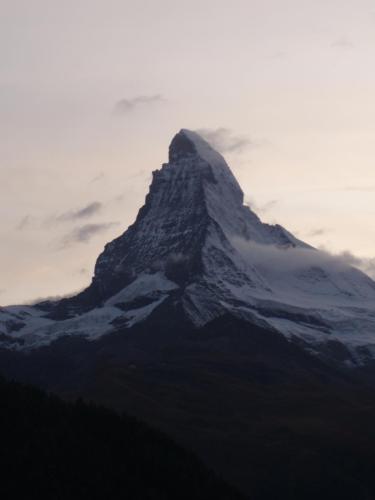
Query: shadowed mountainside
[51, 449]
[273, 420]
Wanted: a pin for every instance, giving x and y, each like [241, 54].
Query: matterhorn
[196, 253]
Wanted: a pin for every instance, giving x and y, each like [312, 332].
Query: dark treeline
[57, 450]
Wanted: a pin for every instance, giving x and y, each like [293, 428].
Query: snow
[134, 316]
[145, 285]
[256, 271]
[204, 150]
[39, 330]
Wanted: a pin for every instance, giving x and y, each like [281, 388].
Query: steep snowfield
[27, 327]
[195, 240]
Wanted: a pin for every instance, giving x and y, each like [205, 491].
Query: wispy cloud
[53, 298]
[25, 223]
[30, 222]
[81, 271]
[225, 140]
[280, 54]
[261, 209]
[318, 231]
[343, 43]
[366, 264]
[83, 234]
[289, 260]
[125, 106]
[370, 188]
[99, 177]
[81, 213]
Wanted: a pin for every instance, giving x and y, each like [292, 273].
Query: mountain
[196, 248]
[55, 449]
[246, 345]
[272, 420]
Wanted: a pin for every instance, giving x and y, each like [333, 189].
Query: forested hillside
[56, 450]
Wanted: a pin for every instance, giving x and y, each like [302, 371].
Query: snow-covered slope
[194, 242]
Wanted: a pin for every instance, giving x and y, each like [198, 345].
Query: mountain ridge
[194, 241]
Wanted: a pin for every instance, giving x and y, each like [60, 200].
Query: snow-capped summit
[194, 204]
[188, 143]
[195, 244]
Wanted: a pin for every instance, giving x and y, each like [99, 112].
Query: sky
[92, 92]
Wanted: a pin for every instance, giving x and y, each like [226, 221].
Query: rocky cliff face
[195, 245]
[193, 211]
[193, 200]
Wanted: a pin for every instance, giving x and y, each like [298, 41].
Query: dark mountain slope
[55, 450]
[269, 417]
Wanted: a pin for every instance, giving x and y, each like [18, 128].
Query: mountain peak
[187, 143]
[191, 151]
[197, 249]
[181, 147]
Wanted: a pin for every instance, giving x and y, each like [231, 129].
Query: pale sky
[92, 92]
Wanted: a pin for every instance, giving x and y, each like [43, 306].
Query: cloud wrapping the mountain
[294, 259]
[224, 140]
[365, 264]
[261, 209]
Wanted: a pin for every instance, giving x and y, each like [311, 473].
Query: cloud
[364, 263]
[224, 140]
[280, 54]
[261, 209]
[368, 266]
[82, 213]
[343, 43]
[369, 189]
[53, 298]
[354, 188]
[318, 231]
[25, 223]
[283, 260]
[83, 270]
[99, 177]
[125, 106]
[83, 234]
[29, 222]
